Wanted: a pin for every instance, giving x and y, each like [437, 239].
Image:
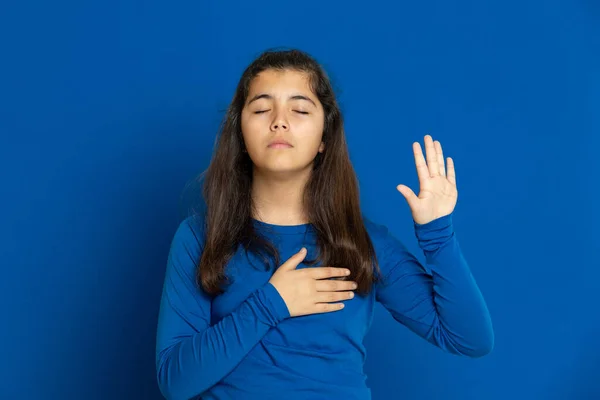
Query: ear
[322, 147]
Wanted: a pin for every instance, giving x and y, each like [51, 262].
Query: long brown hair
[331, 195]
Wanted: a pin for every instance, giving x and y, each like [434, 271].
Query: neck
[279, 200]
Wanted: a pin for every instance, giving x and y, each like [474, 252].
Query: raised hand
[438, 193]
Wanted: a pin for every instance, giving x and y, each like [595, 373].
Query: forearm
[189, 365]
[460, 319]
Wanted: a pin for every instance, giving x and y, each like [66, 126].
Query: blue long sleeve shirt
[243, 344]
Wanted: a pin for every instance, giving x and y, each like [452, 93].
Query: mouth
[280, 146]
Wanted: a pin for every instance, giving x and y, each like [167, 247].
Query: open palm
[438, 193]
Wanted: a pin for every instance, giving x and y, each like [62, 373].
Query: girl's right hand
[309, 290]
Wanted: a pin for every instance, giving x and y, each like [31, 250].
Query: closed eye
[264, 111]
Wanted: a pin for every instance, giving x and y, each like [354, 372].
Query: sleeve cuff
[274, 306]
[432, 234]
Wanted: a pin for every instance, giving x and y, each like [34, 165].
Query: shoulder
[379, 233]
[192, 229]
[372, 226]
[187, 242]
[389, 249]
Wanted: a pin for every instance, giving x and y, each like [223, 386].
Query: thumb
[408, 194]
[294, 260]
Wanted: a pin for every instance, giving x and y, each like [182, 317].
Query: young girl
[269, 293]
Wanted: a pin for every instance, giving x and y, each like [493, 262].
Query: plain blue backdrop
[109, 111]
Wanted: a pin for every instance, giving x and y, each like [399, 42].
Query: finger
[440, 157]
[326, 272]
[332, 286]
[332, 297]
[327, 307]
[451, 171]
[410, 196]
[292, 262]
[422, 170]
[431, 157]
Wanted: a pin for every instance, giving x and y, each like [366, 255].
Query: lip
[280, 144]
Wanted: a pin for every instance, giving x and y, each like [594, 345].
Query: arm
[192, 355]
[445, 307]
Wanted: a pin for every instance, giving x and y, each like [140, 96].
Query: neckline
[282, 229]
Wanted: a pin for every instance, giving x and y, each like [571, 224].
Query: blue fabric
[243, 344]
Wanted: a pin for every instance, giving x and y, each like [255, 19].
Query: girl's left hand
[438, 194]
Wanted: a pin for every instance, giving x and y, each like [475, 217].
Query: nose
[279, 122]
[276, 125]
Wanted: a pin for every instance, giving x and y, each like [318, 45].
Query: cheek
[313, 134]
[252, 131]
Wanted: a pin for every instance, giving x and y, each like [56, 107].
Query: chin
[283, 168]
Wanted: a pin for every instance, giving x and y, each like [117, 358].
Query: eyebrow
[269, 97]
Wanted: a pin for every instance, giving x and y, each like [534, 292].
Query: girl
[270, 292]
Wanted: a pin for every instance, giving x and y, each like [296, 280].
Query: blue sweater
[243, 344]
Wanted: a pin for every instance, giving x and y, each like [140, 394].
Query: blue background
[109, 111]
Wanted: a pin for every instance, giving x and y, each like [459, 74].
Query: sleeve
[445, 307]
[192, 355]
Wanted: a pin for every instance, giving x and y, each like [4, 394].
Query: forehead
[285, 81]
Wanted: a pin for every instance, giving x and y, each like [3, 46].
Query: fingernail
[303, 250]
[347, 272]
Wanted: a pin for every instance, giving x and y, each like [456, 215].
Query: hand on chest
[318, 332]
